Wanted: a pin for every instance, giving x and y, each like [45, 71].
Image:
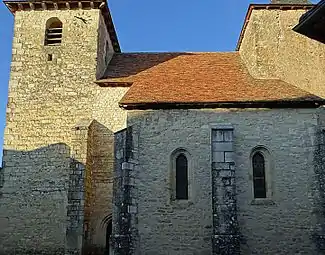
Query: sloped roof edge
[309, 19]
[268, 7]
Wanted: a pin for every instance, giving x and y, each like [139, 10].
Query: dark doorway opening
[108, 237]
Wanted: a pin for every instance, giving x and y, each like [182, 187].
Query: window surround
[53, 38]
[180, 203]
[268, 175]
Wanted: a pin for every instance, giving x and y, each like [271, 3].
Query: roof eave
[107, 83]
[234, 104]
[309, 19]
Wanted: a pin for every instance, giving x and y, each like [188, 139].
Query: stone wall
[225, 238]
[105, 48]
[76, 190]
[102, 163]
[285, 223]
[319, 160]
[46, 100]
[125, 222]
[282, 53]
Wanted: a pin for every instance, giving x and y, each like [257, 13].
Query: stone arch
[54, 22]
[53, 31]
[172, 172]
[102, 226]
[268, 168]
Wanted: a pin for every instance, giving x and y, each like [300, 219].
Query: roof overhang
[239, 104]
[108, 83]
[269, 7]
[42, 5]
[312, 23]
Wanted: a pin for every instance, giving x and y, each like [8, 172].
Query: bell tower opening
[53, 32]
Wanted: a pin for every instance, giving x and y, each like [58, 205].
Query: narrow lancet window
[181, 177]
[259, 175]
[53, 33]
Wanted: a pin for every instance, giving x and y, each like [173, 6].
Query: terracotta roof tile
[190, 78]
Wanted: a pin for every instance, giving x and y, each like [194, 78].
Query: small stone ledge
[225, 126]
[262, 201]
[180, 204]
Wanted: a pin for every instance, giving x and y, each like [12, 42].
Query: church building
[188, 153]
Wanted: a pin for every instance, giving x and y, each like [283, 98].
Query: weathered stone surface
[47, 99]
[125, 231]
[285, 226]
[281, 52]
[56, 181]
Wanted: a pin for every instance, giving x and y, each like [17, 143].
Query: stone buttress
[225, 226]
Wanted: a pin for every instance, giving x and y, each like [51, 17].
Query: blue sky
[146, 25]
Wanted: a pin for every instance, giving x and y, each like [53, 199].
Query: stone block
[228, 135]
[217, 135]
[220, 166]
[222, 146]
[218, 156]
[229, 157]
[226, 173]
[127, 166]
[132, 209]
[226, 181]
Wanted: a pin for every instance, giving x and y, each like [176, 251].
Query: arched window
[53, 32]
[181, 177]
[259, 182]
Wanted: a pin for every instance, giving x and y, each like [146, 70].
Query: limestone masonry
[108, 152]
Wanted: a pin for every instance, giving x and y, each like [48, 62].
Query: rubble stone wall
[285, 223]
[51, 89]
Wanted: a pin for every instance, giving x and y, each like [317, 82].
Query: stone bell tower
[271, 49]
[59, 49]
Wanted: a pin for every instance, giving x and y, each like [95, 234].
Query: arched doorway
[108, 237]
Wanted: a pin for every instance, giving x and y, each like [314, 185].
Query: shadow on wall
[98, 188]
[45, 194]
[34, 200]
[319, 163]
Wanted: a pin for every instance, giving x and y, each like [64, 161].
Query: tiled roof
[194, 79]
